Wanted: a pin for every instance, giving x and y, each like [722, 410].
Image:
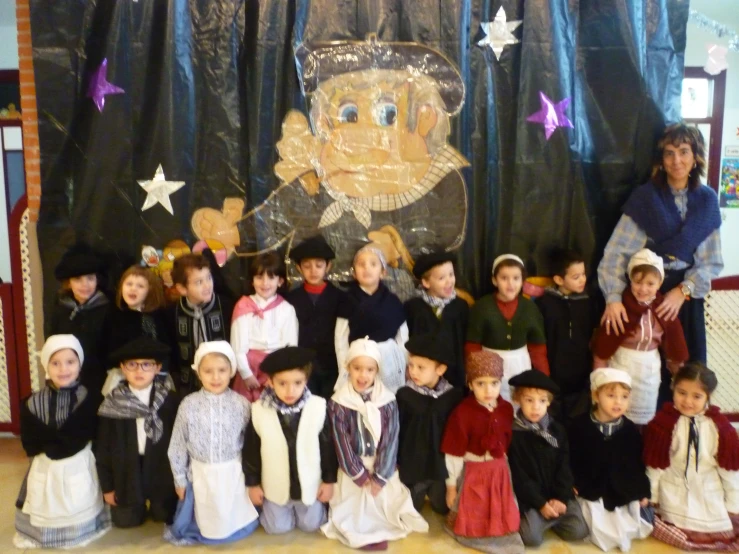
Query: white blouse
[145, 396]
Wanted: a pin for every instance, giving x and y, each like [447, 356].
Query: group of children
[344, 410]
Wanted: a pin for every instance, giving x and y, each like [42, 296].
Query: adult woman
[679, 219]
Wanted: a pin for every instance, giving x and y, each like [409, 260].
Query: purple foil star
[99, 86]
[551, 115]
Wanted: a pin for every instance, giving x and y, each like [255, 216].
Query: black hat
[290, 357]
[424, 262]
[322, 61]
[313, 247]
[143, 347]
[534, 379]
[78, 260]
[434, 346]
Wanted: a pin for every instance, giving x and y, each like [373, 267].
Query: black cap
[322, 61]
[284, 359]
[434, 346]
[534, 379]
[313, 247]
[143, 347]
[78, 260]
[424, 262]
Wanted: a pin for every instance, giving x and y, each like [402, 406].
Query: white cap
[215, 347]
[364, 347]
[55, 343]
[646, 257]
[607, 375]
[504, 257]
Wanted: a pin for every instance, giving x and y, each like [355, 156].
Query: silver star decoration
[499, 33]
[159, 189]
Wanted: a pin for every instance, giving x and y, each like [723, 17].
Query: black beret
[324, 60]
[434, 346]
[290, 357]
[78, 260]
[424, 262]
[534, 379]
[143, 347]
[313, 247]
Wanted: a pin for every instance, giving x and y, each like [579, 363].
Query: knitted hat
[484, 363]
[425, 262]
[364, 347]
[284, 359]
[534, 379]
[646, 257]
[607, 375]
[55, 343]
[313, 247]
[504, 257]
[215, 347]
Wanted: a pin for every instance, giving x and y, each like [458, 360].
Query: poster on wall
[728, 197]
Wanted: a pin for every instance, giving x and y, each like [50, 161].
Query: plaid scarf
[269, 400]
[436, 303]
[53, 406]
[97, 299]
[609, 428]
[441, 387]
[541, 428]
[121, 403]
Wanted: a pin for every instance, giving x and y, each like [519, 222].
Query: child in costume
[83, 311]
[262, 323]
[136, 420]
[570, 318]
[205, 454]
[606, 460]
[484, 515]
[540, 466]
[508, 324]
[437, 307]
[60, 504]
[424, 406]
[200, 315]
[138, 311]
[318, 306]
[370, 505]
[378, 316]
[636, 351]
[289, 457]
[692, 456]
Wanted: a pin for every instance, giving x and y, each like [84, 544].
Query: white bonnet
[607, 375]
[646, 257]
[215, 347]
[364, 347]
[55, 343]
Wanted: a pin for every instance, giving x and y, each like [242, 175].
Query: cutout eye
[348, 113]
[385, 114]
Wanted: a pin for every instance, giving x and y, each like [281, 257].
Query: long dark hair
[676, 135]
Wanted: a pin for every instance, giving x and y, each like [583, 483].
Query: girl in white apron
[205, 455]
[60, 504]
[370, 505]
[637, 350]
[509, 324]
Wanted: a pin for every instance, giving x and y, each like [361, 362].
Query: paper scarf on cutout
[158, 190]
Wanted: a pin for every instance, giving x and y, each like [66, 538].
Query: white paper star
[159, 189]
[499, 33]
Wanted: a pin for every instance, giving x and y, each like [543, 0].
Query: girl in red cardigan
[692, 456]
[484, 514]
[636, 351]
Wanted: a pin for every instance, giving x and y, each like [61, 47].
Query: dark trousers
[435, 490]
[570, 526]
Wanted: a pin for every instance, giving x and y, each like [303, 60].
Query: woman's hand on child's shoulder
[180, 492]
[256, 495]
[325, 492]
[109, 498]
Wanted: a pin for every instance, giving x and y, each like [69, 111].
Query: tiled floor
[13, 464]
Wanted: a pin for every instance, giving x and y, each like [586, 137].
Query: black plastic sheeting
[208, 84]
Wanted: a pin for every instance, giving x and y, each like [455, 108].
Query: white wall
[8, 35]
[727, 12]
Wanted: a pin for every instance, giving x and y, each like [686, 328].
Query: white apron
[63, 493]
[614, 529]
[514, 362]
[222, 504]
[357, 518]
[644, 367]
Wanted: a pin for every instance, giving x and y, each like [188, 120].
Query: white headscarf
[55, 343]
[215, 347]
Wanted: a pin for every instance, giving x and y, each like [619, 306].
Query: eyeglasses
[132, 365]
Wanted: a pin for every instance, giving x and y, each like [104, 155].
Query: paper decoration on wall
[99, 86]
[728, 190]
[209, 224]
[159, 189]
[499, 33]
[718, 29]
[716, 61]
[150, 256]
[551, 115]
[218, 248]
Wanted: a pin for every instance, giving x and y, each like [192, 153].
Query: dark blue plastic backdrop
[208, 83]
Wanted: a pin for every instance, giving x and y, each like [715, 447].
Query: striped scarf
[441, 387]
[437, 304]
[610, 427]
[269, 400]
[540, 428]
[53, 406]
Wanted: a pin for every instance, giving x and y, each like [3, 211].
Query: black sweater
[607, 467]
[539, 471]
[422, 422]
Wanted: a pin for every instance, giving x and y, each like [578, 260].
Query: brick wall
[31, 152]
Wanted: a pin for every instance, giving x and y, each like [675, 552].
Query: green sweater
[488, 326]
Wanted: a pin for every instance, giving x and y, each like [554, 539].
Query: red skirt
[255, 358]
[487, 506]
